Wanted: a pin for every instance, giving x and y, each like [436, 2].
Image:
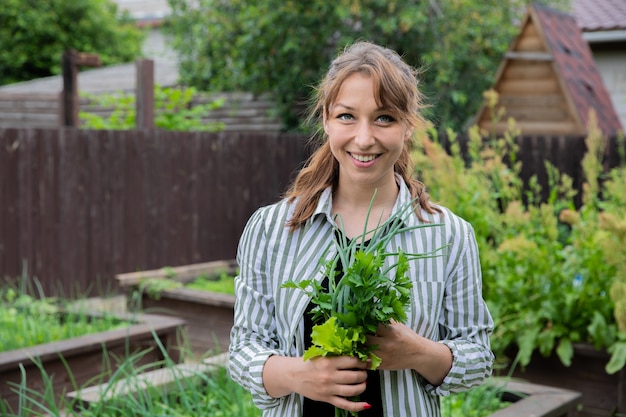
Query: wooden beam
[183, 273]
[543, 128]
[543, 100]
[70, 61]
[528, 70]
[144, 102]
[529, 56]
[529, 87]
[530, 44]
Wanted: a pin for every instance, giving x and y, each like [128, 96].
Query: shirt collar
[325, 203]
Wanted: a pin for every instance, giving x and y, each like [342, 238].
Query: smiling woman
[361, 177]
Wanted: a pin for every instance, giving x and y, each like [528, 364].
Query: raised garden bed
[88, 359]
[537, 400]
[526, 399]
[602, 394]
[209, 315]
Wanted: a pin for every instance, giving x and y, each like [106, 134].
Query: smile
[363, 158]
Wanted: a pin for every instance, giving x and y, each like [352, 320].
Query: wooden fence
[78, 207]
[241, 112]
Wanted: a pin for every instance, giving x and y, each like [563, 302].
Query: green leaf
[526, 343]
[618, 358]
[565, 351]
[600, 331]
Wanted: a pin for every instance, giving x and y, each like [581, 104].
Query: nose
[364, 134]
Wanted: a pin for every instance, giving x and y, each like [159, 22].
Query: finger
[349, 362]
[349, 405]
[351, 377]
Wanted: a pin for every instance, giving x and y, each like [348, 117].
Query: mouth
[363, 158]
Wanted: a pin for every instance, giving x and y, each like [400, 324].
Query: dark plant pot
[209, 315]
[602, 394]
[89, 359]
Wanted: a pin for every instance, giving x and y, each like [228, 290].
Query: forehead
[356, 89]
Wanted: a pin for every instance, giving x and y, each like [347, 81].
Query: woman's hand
[330, 379]
[400, 347]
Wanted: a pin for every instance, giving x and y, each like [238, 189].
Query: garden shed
[548, 81]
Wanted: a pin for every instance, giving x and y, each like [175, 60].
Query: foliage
[223, 283]
[214, 394]
[34, 35]
[547, 266]
[284, 47]
[480, 401]
[26, 321]
[174, 110]
[192, 391]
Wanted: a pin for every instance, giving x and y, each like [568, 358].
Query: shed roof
[600, 15]
[551, 40]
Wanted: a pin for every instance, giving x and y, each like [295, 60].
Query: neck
[361, 198]
[356, 211]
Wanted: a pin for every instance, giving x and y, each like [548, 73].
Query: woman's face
[364, 138]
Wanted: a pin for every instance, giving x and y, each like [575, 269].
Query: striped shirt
[447, 302]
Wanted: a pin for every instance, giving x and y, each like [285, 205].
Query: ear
[325, 124]
[408, 134]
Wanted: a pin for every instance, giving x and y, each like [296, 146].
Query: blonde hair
[395, 88]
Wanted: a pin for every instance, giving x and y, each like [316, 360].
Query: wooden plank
[543, 100]
[528, 56]
[534, 128]
[182, 273]
[530, 43]
[540, 401]
[548, 86]
[10, 143]
[528, 70]
[539, 114]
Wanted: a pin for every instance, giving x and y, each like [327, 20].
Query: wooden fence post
[70, 62]
[144, 101]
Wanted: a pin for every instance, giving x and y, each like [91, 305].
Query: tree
[34, 34]
[284, 46]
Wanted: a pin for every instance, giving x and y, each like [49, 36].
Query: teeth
[364, 158]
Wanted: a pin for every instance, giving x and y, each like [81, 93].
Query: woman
[369, 107]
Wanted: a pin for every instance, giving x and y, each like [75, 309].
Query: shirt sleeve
[252, 338]
[465, 323]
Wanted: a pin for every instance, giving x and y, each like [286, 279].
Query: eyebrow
[345, 106]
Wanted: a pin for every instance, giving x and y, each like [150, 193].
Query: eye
[345, 116]
[385, 118]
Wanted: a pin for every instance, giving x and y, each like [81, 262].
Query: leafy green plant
[364, 296]
[547, 265]
[174, 110]
[479, 401]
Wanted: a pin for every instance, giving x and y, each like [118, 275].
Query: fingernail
[367, 406]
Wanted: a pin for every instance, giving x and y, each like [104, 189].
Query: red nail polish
[367, 406]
